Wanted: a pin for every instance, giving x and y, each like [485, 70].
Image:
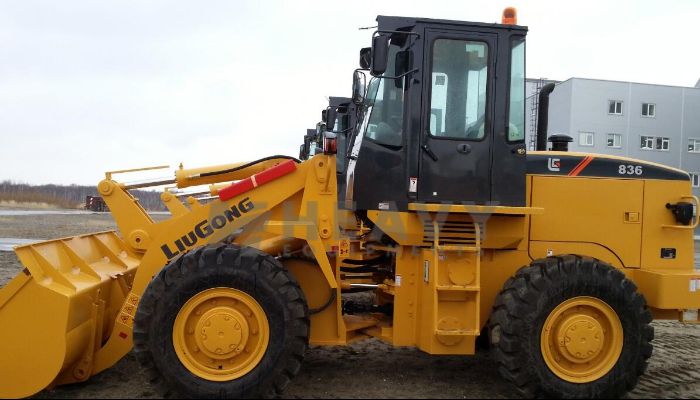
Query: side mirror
[359, 82]
[331, 115]
[324, 115]
[380, 54]
[365, 57]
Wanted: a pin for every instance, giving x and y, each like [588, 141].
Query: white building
[650, 122]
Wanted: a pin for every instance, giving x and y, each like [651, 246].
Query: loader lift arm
[95, 281]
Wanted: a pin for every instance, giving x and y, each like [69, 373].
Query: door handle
[429, 152]
[520, 150]
[464, 148]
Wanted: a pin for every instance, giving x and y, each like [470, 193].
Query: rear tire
[254, 278]
[535, 297]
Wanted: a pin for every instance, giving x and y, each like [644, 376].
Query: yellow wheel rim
[582, 339]
[221, 334]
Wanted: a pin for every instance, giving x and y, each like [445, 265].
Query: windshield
[383, 116]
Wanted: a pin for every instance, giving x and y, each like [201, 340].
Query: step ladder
[455, 283]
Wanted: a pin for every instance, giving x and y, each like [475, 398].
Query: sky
[87, 87]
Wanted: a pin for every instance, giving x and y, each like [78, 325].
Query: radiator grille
[462, 233]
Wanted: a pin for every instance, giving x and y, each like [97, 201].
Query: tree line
[70, 196]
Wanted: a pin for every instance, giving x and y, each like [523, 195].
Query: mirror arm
[398, 76]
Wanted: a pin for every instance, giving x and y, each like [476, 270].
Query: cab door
[457, 127]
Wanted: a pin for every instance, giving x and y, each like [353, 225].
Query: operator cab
[308, 148]
[342, 115]
[443, 117]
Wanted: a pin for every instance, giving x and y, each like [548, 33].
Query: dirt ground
[369, 369]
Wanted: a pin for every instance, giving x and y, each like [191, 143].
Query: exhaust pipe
[543, 116]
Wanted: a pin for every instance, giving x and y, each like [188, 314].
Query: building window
[656, 143]
[586, 138]
[615, 107]
[648, 110]
[695, 178]
[694, 145]
[614, 140]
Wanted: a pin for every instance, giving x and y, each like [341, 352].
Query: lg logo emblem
[554, 164]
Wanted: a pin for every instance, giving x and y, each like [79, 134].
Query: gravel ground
[368, 369]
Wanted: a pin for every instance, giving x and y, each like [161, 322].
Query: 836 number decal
[630, 170]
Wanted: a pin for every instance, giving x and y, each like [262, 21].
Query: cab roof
[393, 23]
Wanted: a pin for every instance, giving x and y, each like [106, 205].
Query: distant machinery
[95, 203]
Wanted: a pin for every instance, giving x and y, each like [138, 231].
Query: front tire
[222, 322]
[571, 327]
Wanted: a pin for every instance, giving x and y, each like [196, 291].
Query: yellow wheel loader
[562, 259]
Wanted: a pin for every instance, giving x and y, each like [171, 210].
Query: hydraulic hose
[250, 164]
[331, 300]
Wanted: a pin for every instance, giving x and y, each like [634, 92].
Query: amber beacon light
[510, 16]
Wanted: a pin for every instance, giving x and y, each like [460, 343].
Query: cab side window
[385, 106]
[516, 109]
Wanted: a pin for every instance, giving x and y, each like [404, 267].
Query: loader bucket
[56, 313]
